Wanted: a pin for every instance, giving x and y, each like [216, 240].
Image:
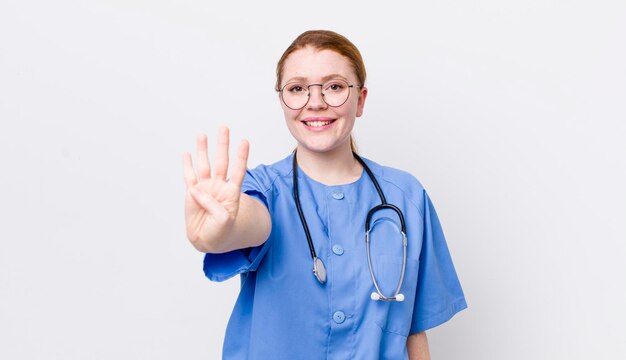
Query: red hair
[325, 40]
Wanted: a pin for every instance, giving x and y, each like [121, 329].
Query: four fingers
[220, 169]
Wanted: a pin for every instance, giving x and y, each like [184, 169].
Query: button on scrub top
[283, 312]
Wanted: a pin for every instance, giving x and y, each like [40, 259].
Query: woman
[369, 299]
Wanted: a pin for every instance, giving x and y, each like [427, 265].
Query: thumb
[204, 200]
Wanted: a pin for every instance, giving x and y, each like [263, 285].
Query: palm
[212, 202]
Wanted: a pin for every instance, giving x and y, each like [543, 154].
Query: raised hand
[212, 203]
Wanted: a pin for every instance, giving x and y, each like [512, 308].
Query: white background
[511, 113]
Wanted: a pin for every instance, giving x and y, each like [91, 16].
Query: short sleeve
[439, 294]
[221, 267]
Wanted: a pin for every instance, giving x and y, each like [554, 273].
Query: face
[318, 127]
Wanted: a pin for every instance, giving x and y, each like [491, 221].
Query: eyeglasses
[296, 95]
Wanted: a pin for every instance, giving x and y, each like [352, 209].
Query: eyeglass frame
[308, 88]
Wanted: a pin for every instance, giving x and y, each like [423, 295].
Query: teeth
[317, 123]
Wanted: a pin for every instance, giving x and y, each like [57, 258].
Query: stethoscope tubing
[296, 195]
[319, 269]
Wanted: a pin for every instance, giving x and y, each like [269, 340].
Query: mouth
[317, 122]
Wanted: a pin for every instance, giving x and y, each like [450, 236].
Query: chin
[321, 148]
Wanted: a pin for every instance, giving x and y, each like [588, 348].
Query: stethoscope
[319, 270]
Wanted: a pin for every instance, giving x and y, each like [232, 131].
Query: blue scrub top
[283, 312]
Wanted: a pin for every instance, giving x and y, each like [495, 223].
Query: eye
[335, 86]
[295, 88]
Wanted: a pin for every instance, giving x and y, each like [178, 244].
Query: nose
[316, 98]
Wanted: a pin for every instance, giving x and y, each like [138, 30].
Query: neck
[335, 167]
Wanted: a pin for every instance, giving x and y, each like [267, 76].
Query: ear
[361, 101]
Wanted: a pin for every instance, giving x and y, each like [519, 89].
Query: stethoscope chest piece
[319, 270]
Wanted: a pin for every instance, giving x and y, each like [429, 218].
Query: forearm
[417, 346]
[252, 225]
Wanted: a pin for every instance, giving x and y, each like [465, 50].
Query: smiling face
[318, 127]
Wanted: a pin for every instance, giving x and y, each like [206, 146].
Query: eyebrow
[324, 79]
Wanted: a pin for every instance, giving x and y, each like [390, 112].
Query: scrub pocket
[395, 316]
